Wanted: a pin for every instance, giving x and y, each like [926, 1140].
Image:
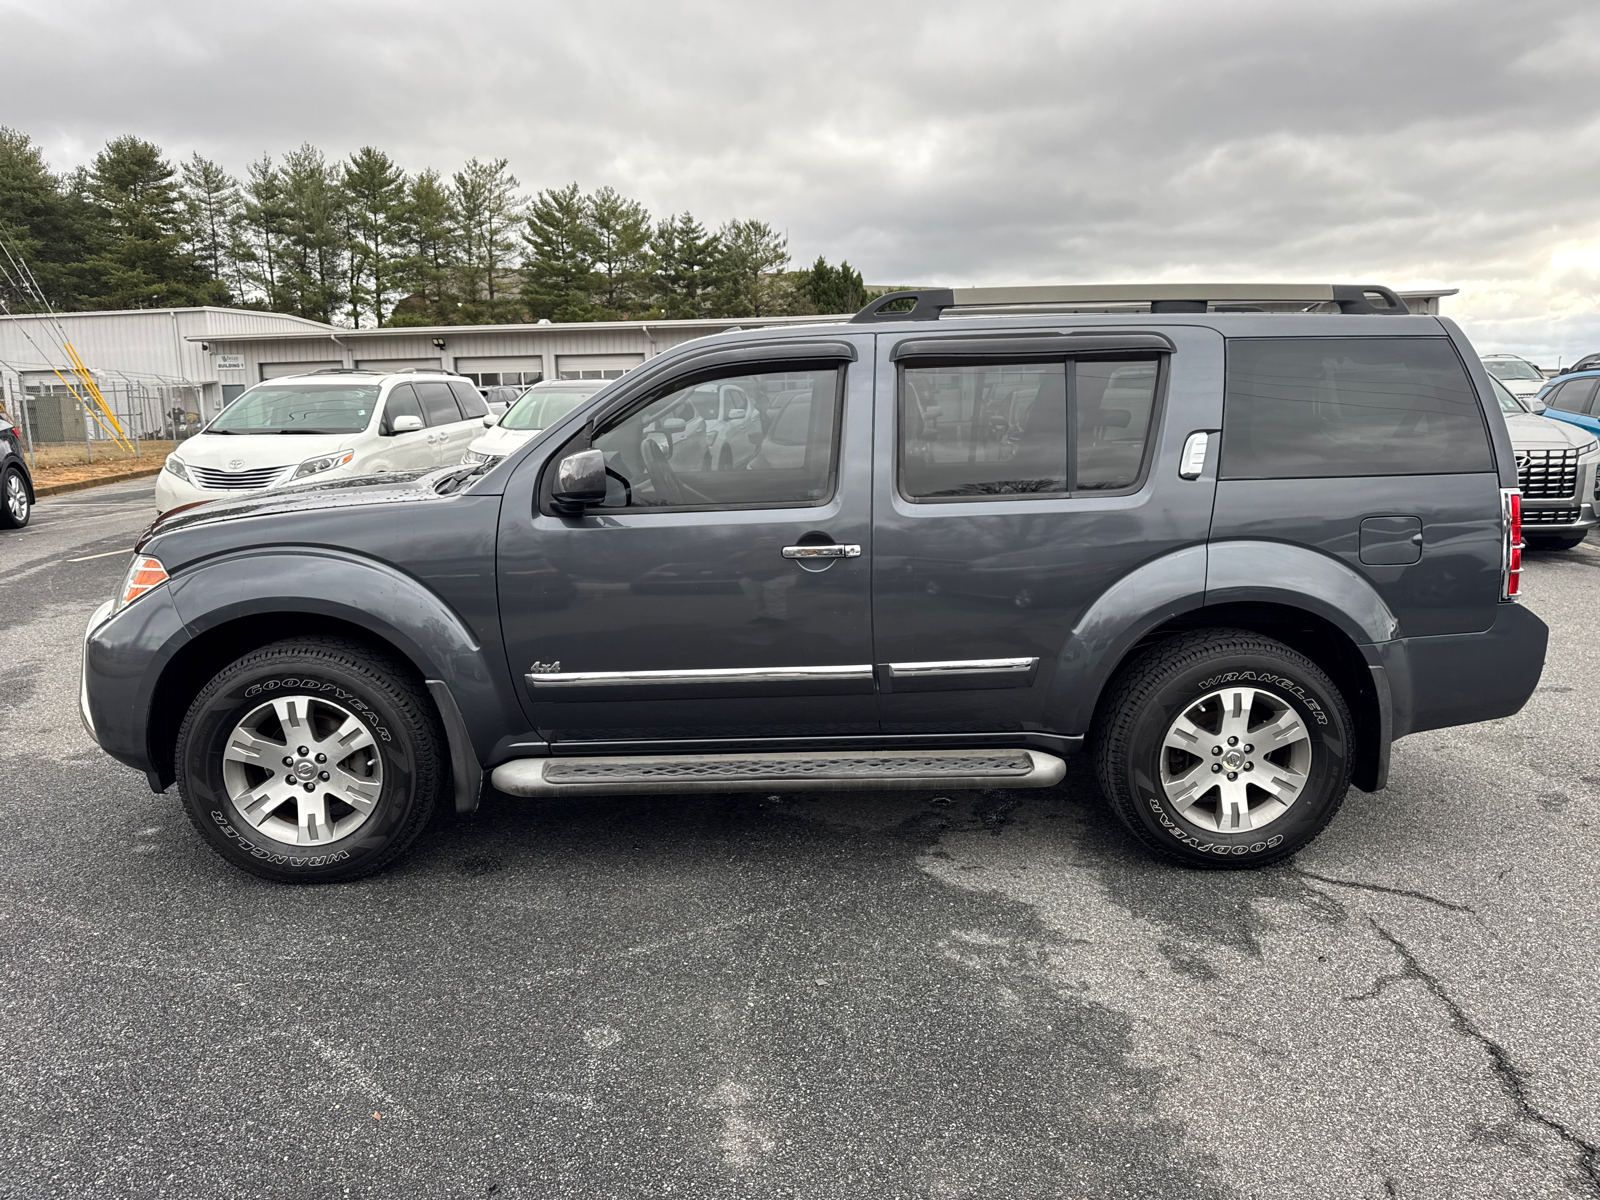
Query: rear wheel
[1222, 748]
[15, 507]
[311, 761]
[1546, 542]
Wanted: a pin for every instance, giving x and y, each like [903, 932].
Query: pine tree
[488, 213]
[751, 256]
[834, 289]
[215, 209]
[314, 235]
[560, 247]
[141, 262]
[377, 191]
[685, 260]
[428, 227]
[264, 229]
[44, 222]
[621, 250]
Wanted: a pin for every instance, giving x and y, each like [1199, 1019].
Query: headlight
[143, 574]
[176, 467]
[473, 458]
[314, 466]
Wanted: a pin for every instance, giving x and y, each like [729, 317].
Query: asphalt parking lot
[911, 995]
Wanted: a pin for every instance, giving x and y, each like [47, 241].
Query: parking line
[107, 554]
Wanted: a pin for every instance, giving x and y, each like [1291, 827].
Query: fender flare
[1245, 569]
[371, 595]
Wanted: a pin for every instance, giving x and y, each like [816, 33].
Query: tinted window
[472, 404]
[539, 410]
[438, 403]
[1316, 407]
[1005, 430]
[402, 402]
[1574, 396]
[781, 451]
[299, 408]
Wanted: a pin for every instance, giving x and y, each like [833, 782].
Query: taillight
[1511, 521]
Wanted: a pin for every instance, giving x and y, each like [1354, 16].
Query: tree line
[360, 242]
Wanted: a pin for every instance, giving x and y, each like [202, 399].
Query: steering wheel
[661, 473]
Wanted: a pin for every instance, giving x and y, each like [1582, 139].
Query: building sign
[230, 362]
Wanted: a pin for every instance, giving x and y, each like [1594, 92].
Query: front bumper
[1558, 517]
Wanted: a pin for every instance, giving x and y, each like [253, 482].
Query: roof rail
[342, 371]
[929, 303]
[421, 371]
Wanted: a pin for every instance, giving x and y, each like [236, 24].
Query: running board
[876, 771]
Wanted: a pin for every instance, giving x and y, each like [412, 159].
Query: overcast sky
[1453, 144]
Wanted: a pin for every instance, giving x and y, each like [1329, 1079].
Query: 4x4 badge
[540, 668]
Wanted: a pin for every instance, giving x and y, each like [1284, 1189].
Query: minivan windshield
[299, 408]
[539, 410]
[1513, 368]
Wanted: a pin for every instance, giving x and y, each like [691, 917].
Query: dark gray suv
[1231, 541]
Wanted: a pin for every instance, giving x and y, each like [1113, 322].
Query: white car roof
[379, 377]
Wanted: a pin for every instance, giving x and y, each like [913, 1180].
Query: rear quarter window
[1308, 408]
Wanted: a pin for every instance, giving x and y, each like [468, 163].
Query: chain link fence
[62, 426]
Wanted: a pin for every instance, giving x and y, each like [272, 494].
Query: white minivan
[328, 425]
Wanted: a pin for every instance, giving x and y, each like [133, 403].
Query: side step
[871, 770]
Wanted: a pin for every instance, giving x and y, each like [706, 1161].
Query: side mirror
[580, 481]
[673, 425]
[407, 424]
[490, 421]
[736, 414]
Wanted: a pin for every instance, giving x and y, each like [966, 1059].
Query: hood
[501, 440]
[253, 451]
[400, 487]
[1529, 432]
[1521, 388]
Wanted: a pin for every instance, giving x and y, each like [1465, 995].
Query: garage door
[595, 366]
[514, 370]
[398, 364]
[278, 370]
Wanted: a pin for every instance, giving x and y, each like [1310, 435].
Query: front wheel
[1222, 748]
[316, 760]
[15, 507]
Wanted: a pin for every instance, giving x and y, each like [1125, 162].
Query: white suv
[328, 425]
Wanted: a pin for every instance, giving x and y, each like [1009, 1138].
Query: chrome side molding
[958, 674]
[847, 680]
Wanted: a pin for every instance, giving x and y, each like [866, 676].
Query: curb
[79, 485]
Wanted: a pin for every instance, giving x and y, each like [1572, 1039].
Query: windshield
[1513, 368]
[299, 408]
[539, 410]
[1508, 403]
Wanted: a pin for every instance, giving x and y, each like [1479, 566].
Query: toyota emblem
[236, 465]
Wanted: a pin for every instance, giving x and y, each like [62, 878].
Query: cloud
[1449, 143]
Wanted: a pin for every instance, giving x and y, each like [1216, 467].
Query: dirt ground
[57, 464]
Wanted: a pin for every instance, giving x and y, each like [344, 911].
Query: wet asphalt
[908, 995]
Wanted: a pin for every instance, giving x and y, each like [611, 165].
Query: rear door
[1374, 450]
[1574, 403]
[445, 421]
[1019, 478]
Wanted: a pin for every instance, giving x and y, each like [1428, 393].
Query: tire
[1191, 817]
[234, 780]
[16, 507]
[1538, 542]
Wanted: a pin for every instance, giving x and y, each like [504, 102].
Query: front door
[1017, 485]
[693, 605]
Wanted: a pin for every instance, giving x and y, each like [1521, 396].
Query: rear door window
[1024, 429]
[1307, 408]
[437, 402]
[1573, 396]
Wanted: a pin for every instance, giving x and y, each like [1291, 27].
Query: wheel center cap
[1233, 759]
[305, 770]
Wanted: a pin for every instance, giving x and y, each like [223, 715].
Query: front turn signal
[143, 574]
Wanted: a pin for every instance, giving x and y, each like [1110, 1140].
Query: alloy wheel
[1235, 760]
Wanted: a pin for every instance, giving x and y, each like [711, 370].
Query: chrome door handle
[834, 550]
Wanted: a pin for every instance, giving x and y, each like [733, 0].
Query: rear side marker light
[144, 574]
[1511, 522]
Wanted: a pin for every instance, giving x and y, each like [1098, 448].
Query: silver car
[1556, 473]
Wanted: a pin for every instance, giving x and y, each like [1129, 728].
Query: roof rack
[422, 371]
[342, 371]
[1368, 299]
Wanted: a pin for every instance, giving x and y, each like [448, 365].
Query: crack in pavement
[1378, 887]
[1511, 1080]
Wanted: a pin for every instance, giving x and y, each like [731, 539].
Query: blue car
[1571, 398]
